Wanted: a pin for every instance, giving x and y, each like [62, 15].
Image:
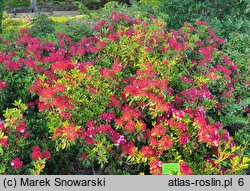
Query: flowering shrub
[131, 97]
[15, 141]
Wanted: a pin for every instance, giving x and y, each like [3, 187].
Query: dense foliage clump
[125, 100]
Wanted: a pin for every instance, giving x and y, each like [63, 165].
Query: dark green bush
[238, 50]
[2, 5]
[103, 13]
[18, 3]
[42, 25]
[236, 116]
[75, 29]
[224, 16]
[97, 4]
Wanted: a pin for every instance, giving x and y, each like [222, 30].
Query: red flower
[90, 124]
[117, 68]
[185, 169]
[128, 149]
[183, 138]
[64, 115]
[99, 24]
[90, 141]
[2, 127]
[63, 102]
[147, 151]
[16, 163]
[210, 135]
[36, 154]
[70, 132]
[3, 142]
[46, 154]
[31, 104]
[26, 135]
[114, 102]
[178, 114]
[42, 106]
[130, 126]
[225, 135]
[106, 72]
[12, 65]
[155, 166]
[117, 138]
[199, 22]
[158, 130]
[181, 126]
[36, 148]
[140, 126]
[200, 121]
[3, 84]
[66, 65]
[102, 128]
[107, 116]
[153, 142]
[47, 93]
[21, 128]
[166, 143]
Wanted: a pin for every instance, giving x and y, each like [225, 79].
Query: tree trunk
[33, 5]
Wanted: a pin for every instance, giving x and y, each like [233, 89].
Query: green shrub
[12, 22]
[76, 30]
[41, 26]
[125, 100]
[93, 4]
[237, 48]
[2, 6]
[83, 9]
[18, 3]
[132, 11]
[10, 32]
[236, 116]
[224, 16]
[12, 26]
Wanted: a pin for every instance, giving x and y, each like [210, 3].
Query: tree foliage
[2, 5]
[224, 16]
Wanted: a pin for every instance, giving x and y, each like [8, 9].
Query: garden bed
[44, 8]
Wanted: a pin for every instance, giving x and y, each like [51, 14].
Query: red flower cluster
[21, 128]
[16, 163]
[129, 149]
[38, 154]
[99, 24]
[147, 151]
[70, 132]
[3, 84]
[185, 169]
[64, 65]
[3, 142]
[165, 143]
[210, 135]
[155, 166]
[158, 130]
